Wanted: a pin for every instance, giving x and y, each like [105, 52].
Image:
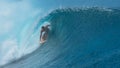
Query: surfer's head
[43, 27]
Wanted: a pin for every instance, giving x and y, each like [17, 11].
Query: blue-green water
[79, 38]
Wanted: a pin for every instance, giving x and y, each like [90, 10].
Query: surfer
[44, 32]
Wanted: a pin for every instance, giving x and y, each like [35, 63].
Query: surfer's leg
[44, 36]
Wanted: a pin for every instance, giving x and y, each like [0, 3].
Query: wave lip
[78, 38]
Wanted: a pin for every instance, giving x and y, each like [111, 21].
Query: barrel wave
[78, 38]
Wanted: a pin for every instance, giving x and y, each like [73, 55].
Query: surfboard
[42, 41]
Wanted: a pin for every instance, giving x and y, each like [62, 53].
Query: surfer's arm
[40, 35]
[47, 26]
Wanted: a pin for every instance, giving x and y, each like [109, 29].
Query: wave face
[79, 38]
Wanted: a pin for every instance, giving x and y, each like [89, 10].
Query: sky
[18, 16]
[75, 3]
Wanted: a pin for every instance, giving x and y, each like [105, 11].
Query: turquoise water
[79, 38]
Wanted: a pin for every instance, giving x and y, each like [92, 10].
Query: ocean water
[78, 38]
